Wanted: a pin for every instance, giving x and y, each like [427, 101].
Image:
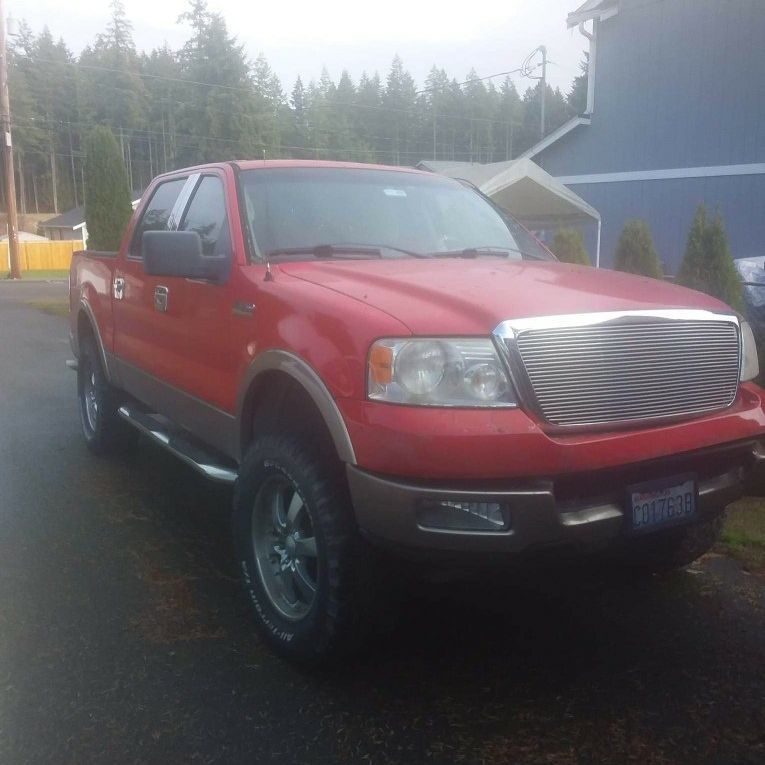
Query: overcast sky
[300, 37]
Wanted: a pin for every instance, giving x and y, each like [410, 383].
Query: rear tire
[307, 571]
[102, 428]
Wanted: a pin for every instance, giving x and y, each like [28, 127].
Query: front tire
[299, 549]
[103, 430]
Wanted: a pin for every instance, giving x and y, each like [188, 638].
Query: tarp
[521, 187]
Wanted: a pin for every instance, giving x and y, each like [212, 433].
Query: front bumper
[581, 511]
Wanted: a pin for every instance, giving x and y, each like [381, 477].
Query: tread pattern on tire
[339, 618]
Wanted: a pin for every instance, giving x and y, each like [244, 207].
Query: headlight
[438, 372]
[750, 365]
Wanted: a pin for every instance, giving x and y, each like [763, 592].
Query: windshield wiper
[328, 251]
[474, 252]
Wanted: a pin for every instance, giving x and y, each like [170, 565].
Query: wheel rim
[90, 397]
[285, 547]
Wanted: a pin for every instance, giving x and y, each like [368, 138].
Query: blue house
[675, 116]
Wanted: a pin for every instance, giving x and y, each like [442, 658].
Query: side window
[207, 216]
[157, 212]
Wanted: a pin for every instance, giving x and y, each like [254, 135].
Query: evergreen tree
[577, 96]
[635, 253]
[509, 107]
[298, 102]
[400, 101]
[221, 119]
[708, 264]
[107, 193]
[269, 99]
[369, 110]
[162, 70]
[569, 247]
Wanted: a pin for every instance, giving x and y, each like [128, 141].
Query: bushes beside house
[708, 264]
[635, 252]
[568, 246]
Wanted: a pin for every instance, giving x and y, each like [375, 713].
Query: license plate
[658, 504]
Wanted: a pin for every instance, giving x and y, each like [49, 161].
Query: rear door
[149, 341]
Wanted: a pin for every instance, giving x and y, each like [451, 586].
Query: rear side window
[207, 216]
[157, 212]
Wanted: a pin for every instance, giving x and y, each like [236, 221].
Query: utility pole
[543, 51]
[71, 162]
[53, 174]
[5, 126]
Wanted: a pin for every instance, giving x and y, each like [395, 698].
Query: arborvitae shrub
[107, 193]
[708, 264]
[569, 247]
[635, 253]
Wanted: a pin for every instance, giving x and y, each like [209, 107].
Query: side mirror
[179, 253]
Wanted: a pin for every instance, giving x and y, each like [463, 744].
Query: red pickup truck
[381, 359]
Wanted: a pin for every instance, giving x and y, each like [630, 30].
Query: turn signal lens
[381, 364]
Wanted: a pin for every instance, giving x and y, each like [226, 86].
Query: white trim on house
[556, 135]
[713, 171]
[595, 9]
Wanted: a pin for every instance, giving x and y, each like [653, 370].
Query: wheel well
[84, 326]
[278, 402]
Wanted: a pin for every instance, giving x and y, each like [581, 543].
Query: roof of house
[523, 188]
[555, 135]
[75, 218]
[70, 219]
[590, 10]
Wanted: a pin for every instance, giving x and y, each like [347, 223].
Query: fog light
[463, 516]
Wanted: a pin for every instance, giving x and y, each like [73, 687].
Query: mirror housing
[179, 253]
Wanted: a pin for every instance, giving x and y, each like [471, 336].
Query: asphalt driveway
[125, 638]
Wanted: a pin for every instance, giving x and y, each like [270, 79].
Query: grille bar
[612, 368]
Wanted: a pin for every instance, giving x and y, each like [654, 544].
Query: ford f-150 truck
[381, 359]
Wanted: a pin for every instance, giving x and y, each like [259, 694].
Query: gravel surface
[125, 637]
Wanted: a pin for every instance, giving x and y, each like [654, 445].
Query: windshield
[316, 212]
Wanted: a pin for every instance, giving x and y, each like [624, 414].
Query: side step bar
[202, 461]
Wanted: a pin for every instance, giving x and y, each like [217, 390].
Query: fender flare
[311, 383]
[84, 307]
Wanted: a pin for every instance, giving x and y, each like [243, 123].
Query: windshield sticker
[394, 192]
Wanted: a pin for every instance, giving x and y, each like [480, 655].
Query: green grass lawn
[744, 532]
[52, 307]
[43, 274]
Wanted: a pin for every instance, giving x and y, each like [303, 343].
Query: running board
[197, 457]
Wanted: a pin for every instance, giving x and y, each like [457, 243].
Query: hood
[471, 297]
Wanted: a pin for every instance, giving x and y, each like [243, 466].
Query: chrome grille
[629, 367]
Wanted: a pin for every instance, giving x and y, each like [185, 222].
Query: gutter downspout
[592, 37]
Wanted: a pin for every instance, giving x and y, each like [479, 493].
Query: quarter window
[157, 212]
[207, 216]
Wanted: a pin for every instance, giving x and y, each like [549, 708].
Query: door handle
[118, 288]
[160, 298]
